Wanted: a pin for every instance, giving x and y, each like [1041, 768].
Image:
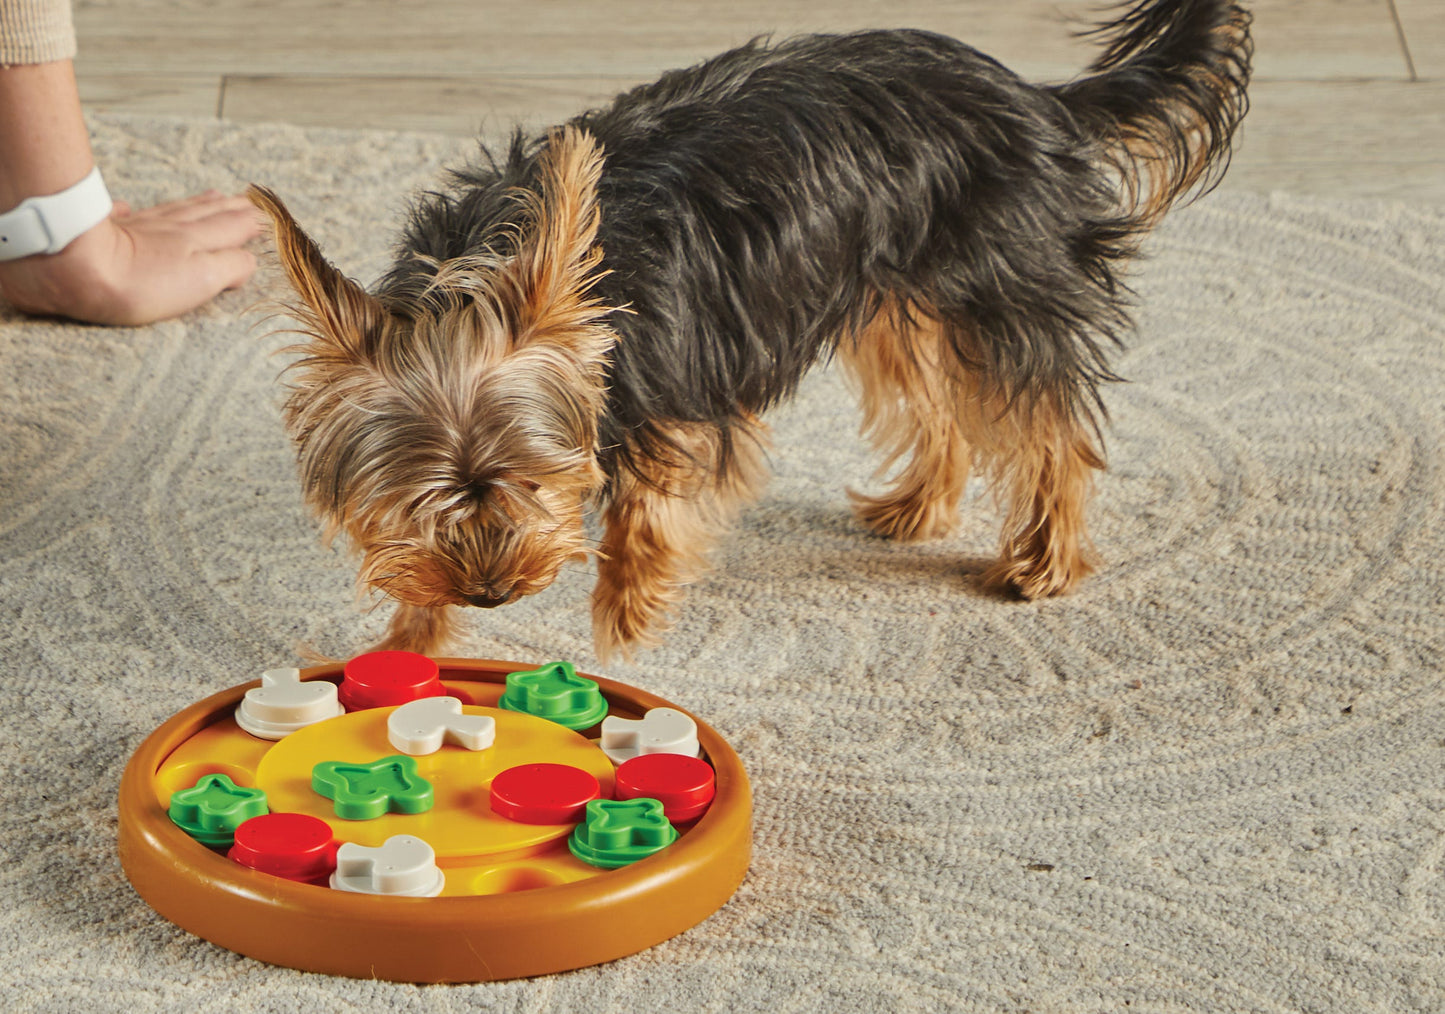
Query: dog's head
[455, 440]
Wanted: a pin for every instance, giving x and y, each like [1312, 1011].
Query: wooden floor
[1349, 95]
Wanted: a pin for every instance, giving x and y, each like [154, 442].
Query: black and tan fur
[598, 316]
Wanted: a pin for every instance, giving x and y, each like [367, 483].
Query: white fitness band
[46, 225]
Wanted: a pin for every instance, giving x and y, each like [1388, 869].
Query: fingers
[185, 205]
[195, 259]
[206, 205]
[215, 219]
[221, 229]
[194, 208]
[173, 283]
[205, 276]
[229, 269]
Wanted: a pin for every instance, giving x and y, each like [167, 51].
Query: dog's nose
[486, 600]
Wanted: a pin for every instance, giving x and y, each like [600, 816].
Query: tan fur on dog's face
[465, 481]
[455, 442]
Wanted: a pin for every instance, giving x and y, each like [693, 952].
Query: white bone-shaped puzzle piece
[402, 865]
[422, 726]
[282, 704]
[660, 730]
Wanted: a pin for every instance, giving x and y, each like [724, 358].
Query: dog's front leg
[659, 531]
[426, 630]
[649, 552]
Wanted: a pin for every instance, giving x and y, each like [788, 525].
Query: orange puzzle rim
[449, 939]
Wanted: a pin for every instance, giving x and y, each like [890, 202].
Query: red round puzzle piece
[543, 793]
[684, 785]
[383, 679]
[296, 846]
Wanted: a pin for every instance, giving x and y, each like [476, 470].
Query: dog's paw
[906, 518]
[1039, 576]
[626, 620]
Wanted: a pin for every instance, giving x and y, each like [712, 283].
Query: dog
[599, 316]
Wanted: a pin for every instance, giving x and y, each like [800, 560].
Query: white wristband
[46, 225]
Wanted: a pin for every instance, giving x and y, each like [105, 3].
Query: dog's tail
[1165, 97]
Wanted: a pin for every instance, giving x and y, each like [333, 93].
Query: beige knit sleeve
[35, 31]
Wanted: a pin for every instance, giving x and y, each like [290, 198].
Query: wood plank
[464, 106]
[456, 65]
[1303, 40]
[1311, 137]
[1331, 138]
[152, 94]
[637, 38]
[549, 38]
[1423, 22]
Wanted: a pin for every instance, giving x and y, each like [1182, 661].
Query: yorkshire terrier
[601, 315]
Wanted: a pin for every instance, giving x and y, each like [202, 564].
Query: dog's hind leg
[660, 528]
[922, 402]
[1042, 459]
[909, 387]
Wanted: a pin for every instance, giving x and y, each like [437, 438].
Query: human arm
[134, 267]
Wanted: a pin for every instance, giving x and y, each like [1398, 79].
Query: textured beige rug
[1212, 780]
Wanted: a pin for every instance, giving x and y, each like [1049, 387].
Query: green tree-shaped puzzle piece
[617, 832]
[212, 809]
[555, 692]
[368, 790]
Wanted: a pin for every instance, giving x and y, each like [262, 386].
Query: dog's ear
[336, 312]
[558, 260]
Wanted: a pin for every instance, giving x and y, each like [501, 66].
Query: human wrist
[48, 224]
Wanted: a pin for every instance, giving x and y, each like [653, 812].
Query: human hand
[137, 267]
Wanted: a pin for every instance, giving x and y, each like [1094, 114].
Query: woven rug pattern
[1213, 779]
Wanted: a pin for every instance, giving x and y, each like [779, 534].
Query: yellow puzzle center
[480, 851]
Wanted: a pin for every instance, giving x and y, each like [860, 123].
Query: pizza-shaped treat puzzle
[421, 820]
